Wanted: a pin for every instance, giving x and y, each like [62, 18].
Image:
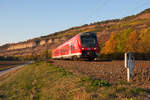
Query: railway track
[112, 71]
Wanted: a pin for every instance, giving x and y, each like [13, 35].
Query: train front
[89, 45]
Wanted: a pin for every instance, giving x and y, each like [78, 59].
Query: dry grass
[43, 81]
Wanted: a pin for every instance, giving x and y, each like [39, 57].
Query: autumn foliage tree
[132, 42]
[144, 43]
[109, 46]
[128, 40]
[116, 43]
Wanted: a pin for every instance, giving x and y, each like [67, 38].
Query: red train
[83, 45]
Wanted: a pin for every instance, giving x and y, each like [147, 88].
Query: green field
[43, 81]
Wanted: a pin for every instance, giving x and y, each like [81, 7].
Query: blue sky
[25, 19]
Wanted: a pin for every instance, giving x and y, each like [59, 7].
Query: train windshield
[89, 41]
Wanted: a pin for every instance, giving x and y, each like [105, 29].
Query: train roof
[86, 33]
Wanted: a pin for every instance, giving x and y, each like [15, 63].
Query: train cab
[89, 45]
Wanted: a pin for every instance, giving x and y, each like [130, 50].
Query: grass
[43, 81]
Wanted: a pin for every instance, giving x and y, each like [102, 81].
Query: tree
[46, 54]
[109, 46]
[121, 40]
[144, 42]
[132, 42]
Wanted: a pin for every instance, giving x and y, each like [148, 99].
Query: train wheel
[75, 58]
[61, 58]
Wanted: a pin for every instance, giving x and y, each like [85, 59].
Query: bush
[8, 58]
[100, 83]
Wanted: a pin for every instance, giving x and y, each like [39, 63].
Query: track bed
[112, 71]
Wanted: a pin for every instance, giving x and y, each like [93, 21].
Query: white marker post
[129, 64]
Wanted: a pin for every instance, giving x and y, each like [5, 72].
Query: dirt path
[112, 71]
[11, 69]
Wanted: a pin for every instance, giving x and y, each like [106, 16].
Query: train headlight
[95, 48]
[82, 48]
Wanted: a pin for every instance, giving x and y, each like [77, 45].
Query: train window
[73, 45]
[64, 49]
[88, 41]
[56, 52]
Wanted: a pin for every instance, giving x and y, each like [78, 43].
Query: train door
[69, 48]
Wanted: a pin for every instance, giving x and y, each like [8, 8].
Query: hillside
[44, 81]
[113, 35]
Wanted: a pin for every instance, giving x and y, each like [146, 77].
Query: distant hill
[131, 33]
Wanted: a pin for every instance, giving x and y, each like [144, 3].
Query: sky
[26, 19]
